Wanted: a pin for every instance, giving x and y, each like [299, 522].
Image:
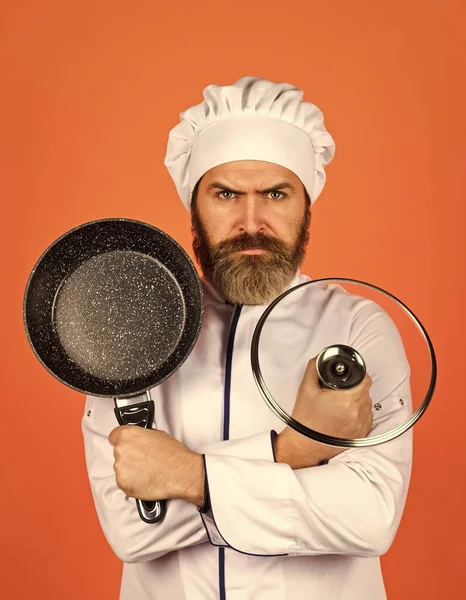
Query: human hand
[150, 464]
[339, 413]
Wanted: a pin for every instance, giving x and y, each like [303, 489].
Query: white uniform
[272, 533]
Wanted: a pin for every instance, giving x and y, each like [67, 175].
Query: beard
[250, 279]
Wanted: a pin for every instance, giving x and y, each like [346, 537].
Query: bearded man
[254, 514]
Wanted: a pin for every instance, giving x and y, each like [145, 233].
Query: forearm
[299, 452]
[289, 447]
[351, 506]
[130, 538]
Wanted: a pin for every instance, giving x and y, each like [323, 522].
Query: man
[253, 515]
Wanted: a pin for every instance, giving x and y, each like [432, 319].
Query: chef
[256, 511]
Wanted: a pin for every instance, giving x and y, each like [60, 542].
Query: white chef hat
[253, 119]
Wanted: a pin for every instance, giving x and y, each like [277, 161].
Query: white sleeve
[350, 506]
[130, 538]
[257, 449]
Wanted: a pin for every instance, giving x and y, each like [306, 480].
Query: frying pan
[113, 308]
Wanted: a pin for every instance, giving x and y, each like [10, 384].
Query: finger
[311, 371]
[115, 434]
[116, 452]
[363, 387]
[368, 380]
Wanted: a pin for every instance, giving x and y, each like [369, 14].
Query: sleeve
[350, 506]
[130, 538]
[257, 447]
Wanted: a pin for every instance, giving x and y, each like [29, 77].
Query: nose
[251, 216]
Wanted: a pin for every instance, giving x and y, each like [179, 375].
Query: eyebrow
[222, 186]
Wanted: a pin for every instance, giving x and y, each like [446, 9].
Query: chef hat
[253, 119]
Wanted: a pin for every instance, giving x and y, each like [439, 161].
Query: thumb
[311, 371]
[115, 434]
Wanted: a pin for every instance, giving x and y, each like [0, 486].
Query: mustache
[250, 241]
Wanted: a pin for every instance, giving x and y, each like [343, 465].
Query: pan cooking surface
[119, 315]
[113, 307]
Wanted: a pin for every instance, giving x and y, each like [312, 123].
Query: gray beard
[249, 279]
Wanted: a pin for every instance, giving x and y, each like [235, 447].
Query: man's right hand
[339, 413]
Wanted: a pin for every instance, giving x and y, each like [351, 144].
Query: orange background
[90, 90]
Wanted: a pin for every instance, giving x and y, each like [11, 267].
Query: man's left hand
[152, 465]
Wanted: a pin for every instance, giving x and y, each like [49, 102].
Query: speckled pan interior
[113, 307]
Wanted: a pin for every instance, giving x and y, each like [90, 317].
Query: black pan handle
[141, 414]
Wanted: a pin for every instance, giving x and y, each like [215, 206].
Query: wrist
[193, 483]
[298, 451]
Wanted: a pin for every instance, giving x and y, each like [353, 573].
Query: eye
[277, 197]
[225, 192]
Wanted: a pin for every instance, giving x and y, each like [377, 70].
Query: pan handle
[141, 414]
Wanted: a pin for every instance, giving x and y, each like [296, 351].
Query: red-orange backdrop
[90, 90]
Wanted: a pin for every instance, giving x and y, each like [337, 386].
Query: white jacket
[272, 533]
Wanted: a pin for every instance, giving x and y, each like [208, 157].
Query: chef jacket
[271, 533]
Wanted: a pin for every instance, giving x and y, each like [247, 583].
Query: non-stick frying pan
[113, 308]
